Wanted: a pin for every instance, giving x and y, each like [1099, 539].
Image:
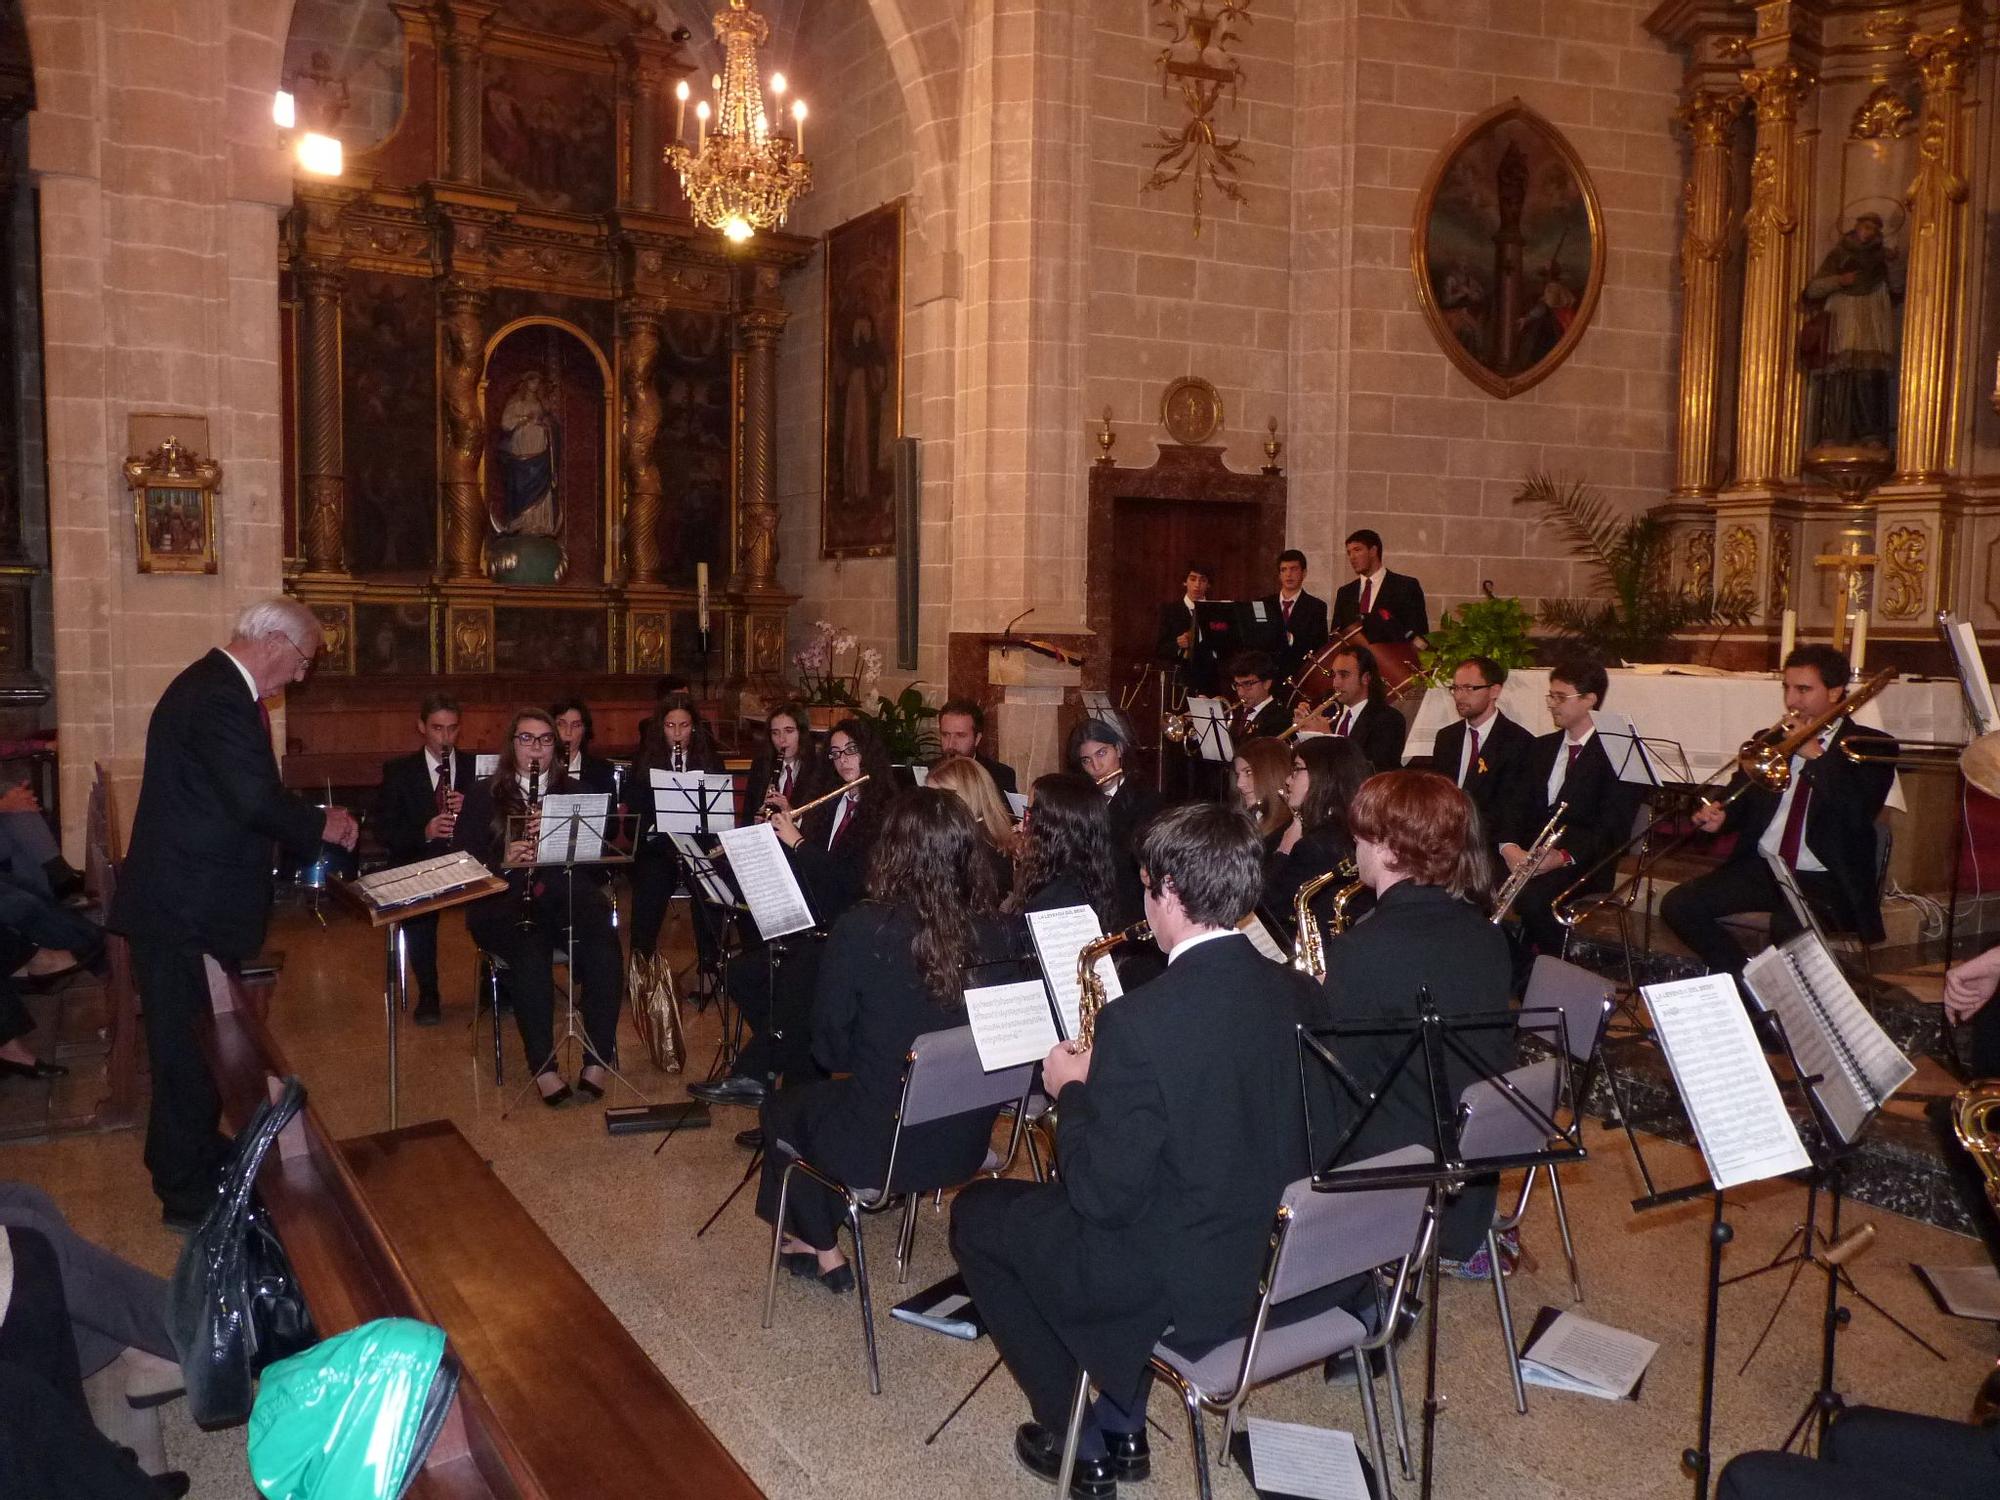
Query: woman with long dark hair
[1262, 766]
[525, 924]
[791, 763]
[1066, 857]
[893, 970]
[676, 740]
[574, 730]
[1326, 773]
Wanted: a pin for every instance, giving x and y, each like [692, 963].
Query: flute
[1110, 776]
[840, 791]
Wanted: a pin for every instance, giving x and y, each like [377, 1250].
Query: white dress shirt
[1559, 772]
[1197, 939]
[1770, 845]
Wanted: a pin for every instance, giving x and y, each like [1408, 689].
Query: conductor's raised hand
[340, 828]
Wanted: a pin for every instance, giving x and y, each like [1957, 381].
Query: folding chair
[1318, 1239]
[1620, 901]
[943, 1078]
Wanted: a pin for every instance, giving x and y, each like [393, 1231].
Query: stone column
[648, 78]
[1767, 388]
[464, 91]
[465, 306]
[1927, 404]
[757, 546]
[639, 352]
[1709, 118]
[322, 465]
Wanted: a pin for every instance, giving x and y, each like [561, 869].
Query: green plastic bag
[352, 1417]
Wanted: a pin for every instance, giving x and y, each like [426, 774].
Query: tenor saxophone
[1975, 1119]
[1309, 950]
[1090, 988]
[1531, 865]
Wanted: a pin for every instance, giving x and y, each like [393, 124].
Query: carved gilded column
[648, 79]
[1708, 117]
[1927, 405]
[322, 465]
[639, 352]
[465, 305]
[757, 551]
[1767, 387]
[465, 90]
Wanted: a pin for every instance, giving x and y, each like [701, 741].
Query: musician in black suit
[1362, 711]
[1179, 1131]
[1871, 1453]
[1822, 825]
[1295, 619]
[1390, 606]
[1098, 749]
[543, 908]
[1482, 748]
[1182, 643]
[1567, 766]
[1258, 715]
[791, 763]
[961, 729]
[197, 878]
[677, 741]
[893, 969]
[414, 812]
[574, 729]
[1414, 845]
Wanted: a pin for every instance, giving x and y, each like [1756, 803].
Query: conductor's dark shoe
[427, 1012]
[1131, 1459]
[1040, 1452]
[735, 1089]
[751, 1139]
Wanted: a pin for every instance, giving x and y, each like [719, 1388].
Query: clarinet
[528, 875]
[444, 784]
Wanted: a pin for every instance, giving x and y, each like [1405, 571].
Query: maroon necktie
[1575, 750]
[1472, 759]
[1367, 595]
[785, 788]
[846, 822]
[1346, 718]
[1795, 824]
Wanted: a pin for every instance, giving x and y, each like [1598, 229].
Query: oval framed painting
[1508, 251]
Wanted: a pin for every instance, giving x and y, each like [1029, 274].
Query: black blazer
[1840, 821]
[1307, 633]
[211, 805]
[1501, 756]
[813, 777]
[1175, 1152]
[1601, 807]
[476, 834]
[834, 879]
[1002, 774]
[639, 796]
[1130, 807]
[1270, 720]
[594, 774]
[1417, 937]
[1396, 613]
[1380, 731]
[1200, 665]
[407, 801]
[1314, 854]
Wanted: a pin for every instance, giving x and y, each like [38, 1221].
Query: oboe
[531, 826]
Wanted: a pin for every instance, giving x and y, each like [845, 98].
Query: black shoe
[751, 1139]
[427, 1012]
[561, 1095]
[839, 1281]
[735, 1089]
[800, 1263]
[37, 1069]
[1131, 1460]
[588, 1091]
[1040, 1452]
[171, 1485]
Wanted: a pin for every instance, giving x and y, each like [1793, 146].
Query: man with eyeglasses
[1480, 749]
[197, 879]
[1258, 714]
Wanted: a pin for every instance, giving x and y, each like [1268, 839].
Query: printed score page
[1011, 1023]
[1313, 1463]
[764, 875]
[1739, 1118]
[1060, 936]
[712, 884]
[693, 801]
[1607, 1361]
[565, 812]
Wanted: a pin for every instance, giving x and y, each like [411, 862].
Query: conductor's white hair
[280, 616]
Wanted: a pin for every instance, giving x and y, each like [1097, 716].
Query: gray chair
[943, 1078]
[1756, 925]
[1620, 902]
[1319, 1238]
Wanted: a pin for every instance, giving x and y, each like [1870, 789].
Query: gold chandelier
[740, 177]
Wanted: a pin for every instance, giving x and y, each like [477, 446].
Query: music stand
[1208, 718]
[698, 804]
[388, 899]
[576, 836]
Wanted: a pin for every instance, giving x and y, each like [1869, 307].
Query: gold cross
[1852, 566]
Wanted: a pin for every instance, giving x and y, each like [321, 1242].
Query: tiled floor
[793, 1403]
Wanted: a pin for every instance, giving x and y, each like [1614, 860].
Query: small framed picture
[173, 496]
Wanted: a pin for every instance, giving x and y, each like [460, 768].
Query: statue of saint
[1848, 346]
[530, 447]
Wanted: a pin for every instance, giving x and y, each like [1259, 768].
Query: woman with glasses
[541, 910]
[1066, 857]
[1326, 773]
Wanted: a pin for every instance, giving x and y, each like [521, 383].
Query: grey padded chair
[1317, 1240]
[943, 1078]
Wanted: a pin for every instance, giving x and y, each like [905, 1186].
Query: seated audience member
[1067, 857]
[28, 848]
[1873, 1454]
[1326, 773]
[1179, 1131]
[574, 729]
[681, 742]
[1416, 841]
[830, 855]
[967, 780]
[961, 729]
[525, 924]
[1262, 767]
[39, 938]
[414, 813]
[893, 970]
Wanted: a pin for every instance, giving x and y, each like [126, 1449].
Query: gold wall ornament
[1883, 115]
[1272, 448]
[1107, 439]
[322, 455]
[1781, 570]
[1198, 59]
[470, 640]
[1191, 410]
[1709, 117]
[1904, 566]
[1698, 564]
[336, 628]
[173, 509]
[649, 642]
[1739, 563]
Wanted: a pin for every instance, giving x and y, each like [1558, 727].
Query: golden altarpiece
[531, 406]
[1836, 312]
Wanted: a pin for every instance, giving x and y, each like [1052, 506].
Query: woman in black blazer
[1066, 856]
[677, 740]
[893, 970]
[791, 763]
[524, 924]
[1327, 770]
[1099, 749]
[574, 730]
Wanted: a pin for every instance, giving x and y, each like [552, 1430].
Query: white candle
[1788, 635]
[799, 125]
[701, 596]
[680, 109]
[701, 124]
[1857, 653]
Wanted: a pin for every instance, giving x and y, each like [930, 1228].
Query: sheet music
[484, 766]
[1629, 756]
[712, 884]
[422, 879]
[921, 775]
[1965, 1291]
[693, 801]
[564, 813]
[1972, 679]
[1314, 1463]
[1210, 727]
[1011, 1023]
[1018, 805]
[1831, 1032]
[1599, 1359]
[765, 877]
[1731, 1097]
[1059, 937]
[1263, 939]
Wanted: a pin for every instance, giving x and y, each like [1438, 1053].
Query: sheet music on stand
[421, 880]
[1098, 705]
[1060, 936]
[1970, 665]
[573, 828]
[484, 766]
[703, 868]
[1017, 804]
[770, 887]
[693, 801]
[1209, 719]
[1739, 1119]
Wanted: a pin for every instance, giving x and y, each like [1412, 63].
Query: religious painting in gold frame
[173, 509]
[862, 384]
[1508, 249]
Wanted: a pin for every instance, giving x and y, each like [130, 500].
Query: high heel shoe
[589, 1091]
[36, 1069]
[558, 1096]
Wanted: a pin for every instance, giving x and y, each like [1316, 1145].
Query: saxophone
[1090, 989]
[1309, 951]
[1975, 1119]
[1531, 866]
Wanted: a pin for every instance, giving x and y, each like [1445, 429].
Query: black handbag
[234, 1305]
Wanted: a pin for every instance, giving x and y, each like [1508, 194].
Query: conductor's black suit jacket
[1175, 1152]
[211, 805]
[408, 801]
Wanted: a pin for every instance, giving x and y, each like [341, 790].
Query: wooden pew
[556, 1399]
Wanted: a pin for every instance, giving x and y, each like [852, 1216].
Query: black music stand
[700, 811]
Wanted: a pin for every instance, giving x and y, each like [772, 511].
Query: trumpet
[1531, 864]
[1975, 1120]
[1309, 951]
[1090, 988]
